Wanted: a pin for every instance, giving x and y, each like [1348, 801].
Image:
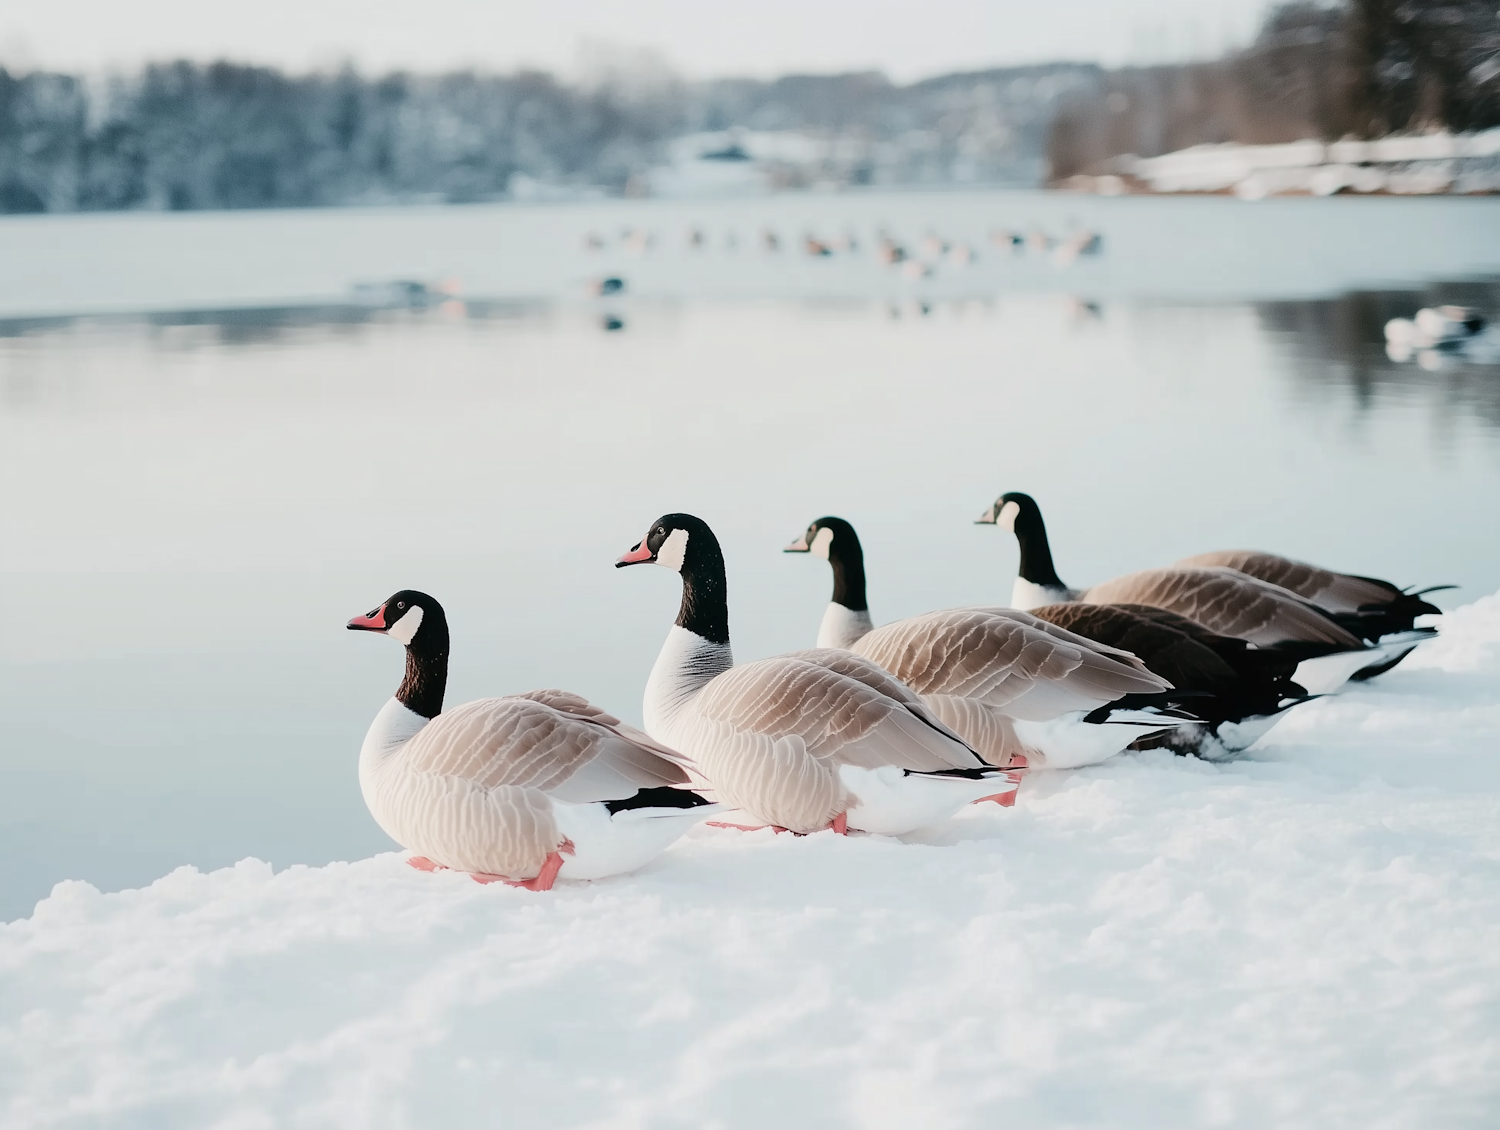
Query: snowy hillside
[1308, 937]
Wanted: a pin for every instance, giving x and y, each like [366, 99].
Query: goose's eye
[400, 604]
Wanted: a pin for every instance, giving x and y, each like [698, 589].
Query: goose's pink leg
[543, 881]
[1015, 771]
[777, 828]
[839, 824]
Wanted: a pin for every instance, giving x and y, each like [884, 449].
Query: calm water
[193, 504]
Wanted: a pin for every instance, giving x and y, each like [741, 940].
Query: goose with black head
[1018, 689]
[523, 788]
[1224, 600]
[847, 617]
[806, 741]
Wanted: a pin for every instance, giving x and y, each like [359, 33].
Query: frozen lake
[207, 463]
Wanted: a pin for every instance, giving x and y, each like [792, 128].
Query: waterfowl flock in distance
[911, 257]
[876, 730]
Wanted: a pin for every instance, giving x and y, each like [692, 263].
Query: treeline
[1359, 68]
[187, 136]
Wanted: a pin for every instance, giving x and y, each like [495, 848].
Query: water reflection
[1338, 345]
[269, 325]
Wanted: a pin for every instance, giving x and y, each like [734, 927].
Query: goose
[523, 788]
[1018, 689]
[805, 741]
[1223, 600]
[1246, 690]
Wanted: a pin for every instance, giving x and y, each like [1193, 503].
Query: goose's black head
[1013, 511]
[825, 538]
[686, 545]
[418, 622]
[679, 542]
[834, 540]
[1020, 514]
[412, 617]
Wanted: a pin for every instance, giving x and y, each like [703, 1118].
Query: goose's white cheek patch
[821, 543]
[673, 551]
[1008, 514]
[406, 627]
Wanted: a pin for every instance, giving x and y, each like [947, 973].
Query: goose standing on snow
[1226, 601]
[806, 741]
[522, 788]
[1018, 689]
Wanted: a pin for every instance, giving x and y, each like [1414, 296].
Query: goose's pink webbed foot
[542, 882]
[1015, 771]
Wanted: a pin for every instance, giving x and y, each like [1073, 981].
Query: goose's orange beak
[370, 621]
[636, 556]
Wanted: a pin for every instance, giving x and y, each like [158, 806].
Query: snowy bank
[1307, 937]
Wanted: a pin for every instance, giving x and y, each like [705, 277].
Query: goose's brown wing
[1227, 602]
[1337, 592]
[1171, 645]
[551, 741]
[992, 657]
[843, 708]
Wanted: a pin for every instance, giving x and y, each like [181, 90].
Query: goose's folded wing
[1227, 602]
[577, 707]
[1172, 644]
[1166, 618]
[1337, 592]
[841, 661]
[989, 656]
[1031, 619]
[841, 717]
[523, 742]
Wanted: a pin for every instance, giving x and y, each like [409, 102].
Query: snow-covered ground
[1307, 937]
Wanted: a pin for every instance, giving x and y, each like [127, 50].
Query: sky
[907, 39]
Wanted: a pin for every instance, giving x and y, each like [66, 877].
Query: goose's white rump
[995, 674]
[496, 785]
[796, 740]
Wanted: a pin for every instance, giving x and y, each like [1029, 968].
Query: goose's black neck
[705, 596]
[1036, 554]
[421, 691]
[848, 560]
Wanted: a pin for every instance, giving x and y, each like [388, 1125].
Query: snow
[1309, 936]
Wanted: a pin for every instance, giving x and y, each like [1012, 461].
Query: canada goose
[804, 741]
[1018, 689]
[522, 788]
[1224, 600]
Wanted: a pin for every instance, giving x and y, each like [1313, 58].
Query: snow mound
[1309, 936]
